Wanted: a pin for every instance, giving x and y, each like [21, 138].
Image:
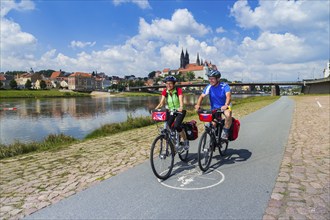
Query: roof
[192, 67]
[2, 77]
[81, 74]
[55, 74]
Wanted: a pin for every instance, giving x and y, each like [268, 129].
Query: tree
[13, 84]
[43, 84]
[152, 74]
[179, 78]
[46, 73]
[28, 84]
[191, 75]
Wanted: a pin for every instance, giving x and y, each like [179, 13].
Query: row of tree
[28, 84]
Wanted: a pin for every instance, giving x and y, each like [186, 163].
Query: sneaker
[224, 135]
[186, 144]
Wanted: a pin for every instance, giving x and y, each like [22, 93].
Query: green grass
[51, 142]
[38, 94]
[131, 123]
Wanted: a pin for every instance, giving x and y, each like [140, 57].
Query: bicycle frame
[211, 138]
[163, 150]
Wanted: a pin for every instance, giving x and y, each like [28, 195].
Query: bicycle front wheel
[205, 151]
[162, 157]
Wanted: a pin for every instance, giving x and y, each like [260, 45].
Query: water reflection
[36, 118]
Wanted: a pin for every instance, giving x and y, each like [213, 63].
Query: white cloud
[220, 30]
[81, 44]
[293, 35]
[182, 23]
[9, 5]
[144, 4]
[17, 46]
[275, 48]
[308, 20]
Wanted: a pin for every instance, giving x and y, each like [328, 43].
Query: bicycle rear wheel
[162, 157]
[223, 147]
[205, 151]
[183, 155]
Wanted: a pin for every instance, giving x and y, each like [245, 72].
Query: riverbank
[55, 141]
[33, 181]
[26, 93]
[4, 94]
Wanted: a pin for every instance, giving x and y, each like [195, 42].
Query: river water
[35, 119]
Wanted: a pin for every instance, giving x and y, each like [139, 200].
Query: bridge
[308, 86]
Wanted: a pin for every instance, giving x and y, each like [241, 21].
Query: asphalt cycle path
[237, 186]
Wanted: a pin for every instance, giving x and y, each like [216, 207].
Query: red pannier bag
[191, 129]
[234, 129]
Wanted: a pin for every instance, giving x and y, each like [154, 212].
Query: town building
[80, 81]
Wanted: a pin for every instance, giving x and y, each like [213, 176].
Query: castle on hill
[199, 68]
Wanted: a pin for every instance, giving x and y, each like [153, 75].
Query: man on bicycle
[174, 99]
[220, 97]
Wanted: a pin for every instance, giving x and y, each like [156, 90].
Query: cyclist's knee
[178, 128]
[228, 113]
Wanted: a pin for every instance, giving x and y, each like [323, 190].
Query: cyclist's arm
[199, 101]
[181, 103]
[161, 103]
[228, 100]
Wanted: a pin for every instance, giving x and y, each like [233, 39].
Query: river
[35, 119]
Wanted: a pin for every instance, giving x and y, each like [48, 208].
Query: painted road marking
[190, 177]
[319, 104]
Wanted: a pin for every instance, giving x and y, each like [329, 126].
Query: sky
[250, 41]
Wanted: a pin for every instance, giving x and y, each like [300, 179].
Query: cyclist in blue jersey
[220, 97]
[174, 99]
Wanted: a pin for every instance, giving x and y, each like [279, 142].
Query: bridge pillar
[275, 90]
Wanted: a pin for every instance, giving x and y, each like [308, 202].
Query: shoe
[224, 135]
[186, 144]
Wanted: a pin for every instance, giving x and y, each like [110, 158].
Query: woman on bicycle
[174, 98]
[220, 97]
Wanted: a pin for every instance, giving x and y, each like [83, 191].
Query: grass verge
[51, 142]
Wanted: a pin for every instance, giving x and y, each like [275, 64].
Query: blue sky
[247, 40]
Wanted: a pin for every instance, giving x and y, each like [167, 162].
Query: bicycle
[211, 138]
[165, 146]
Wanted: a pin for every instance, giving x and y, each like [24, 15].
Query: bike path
[237, 187]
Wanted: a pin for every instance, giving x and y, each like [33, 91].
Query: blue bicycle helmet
[170, 78]
[214, 73]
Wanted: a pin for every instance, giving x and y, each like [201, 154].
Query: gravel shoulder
[302, 189]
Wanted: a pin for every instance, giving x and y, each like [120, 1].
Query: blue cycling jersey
[217, 94]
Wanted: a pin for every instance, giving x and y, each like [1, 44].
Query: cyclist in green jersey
[174, 99]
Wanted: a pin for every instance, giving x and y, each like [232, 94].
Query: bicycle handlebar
[218, 110]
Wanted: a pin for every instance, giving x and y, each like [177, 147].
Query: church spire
[186, 59]
[182, 64]
[198, 61]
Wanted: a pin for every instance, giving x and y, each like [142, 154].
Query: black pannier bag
[191, 129]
